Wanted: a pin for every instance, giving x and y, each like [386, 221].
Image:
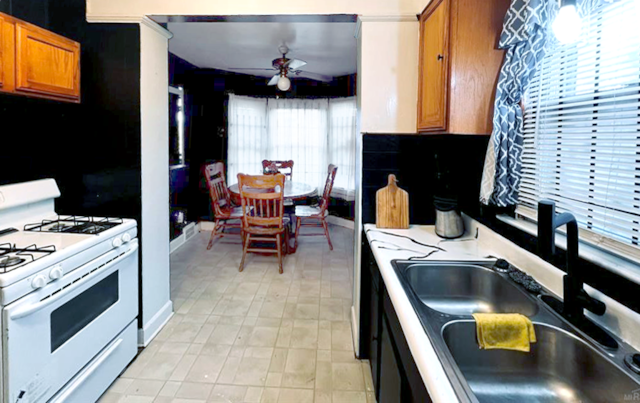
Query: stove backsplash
[412, 158]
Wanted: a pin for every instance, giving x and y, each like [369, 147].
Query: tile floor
[256, 336]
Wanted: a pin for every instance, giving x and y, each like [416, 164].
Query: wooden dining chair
[281, 166]
[263, 218]
[316, 216]
[225, 214]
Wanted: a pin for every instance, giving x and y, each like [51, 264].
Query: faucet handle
[591, 304]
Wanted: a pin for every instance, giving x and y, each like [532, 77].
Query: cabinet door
[374, 341]
[434, 67]
[46, 64]
[7, 46]
[390, 376]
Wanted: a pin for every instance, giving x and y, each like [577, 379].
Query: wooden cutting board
[392, 206]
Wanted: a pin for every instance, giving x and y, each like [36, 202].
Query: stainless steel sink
[559, 368]
[564, 365]
[462, 289]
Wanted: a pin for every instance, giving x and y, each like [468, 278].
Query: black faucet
[576, 299]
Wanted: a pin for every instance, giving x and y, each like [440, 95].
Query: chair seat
[231, 213]
[310, 211]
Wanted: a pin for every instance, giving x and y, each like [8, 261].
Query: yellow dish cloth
[507, 331]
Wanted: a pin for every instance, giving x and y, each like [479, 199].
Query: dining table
[293, 191]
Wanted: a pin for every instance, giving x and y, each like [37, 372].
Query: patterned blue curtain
[524, 36]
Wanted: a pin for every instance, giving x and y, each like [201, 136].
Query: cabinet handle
[440, 57]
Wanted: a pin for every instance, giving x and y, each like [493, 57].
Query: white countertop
[478, 243]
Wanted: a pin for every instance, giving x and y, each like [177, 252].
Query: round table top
[292, 190]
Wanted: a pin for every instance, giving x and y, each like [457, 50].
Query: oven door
[51, 334]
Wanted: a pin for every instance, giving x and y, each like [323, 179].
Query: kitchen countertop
[478, 243]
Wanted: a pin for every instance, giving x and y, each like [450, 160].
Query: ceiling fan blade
[244, 68]
[296, 64]
[274, 80]
[314, 76]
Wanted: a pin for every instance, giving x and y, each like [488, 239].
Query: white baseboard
[187, 233]
[153, 327]
[341, 222]
[355, 329]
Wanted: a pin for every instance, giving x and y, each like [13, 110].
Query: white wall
[388, 76]
[105, 9]
[154, 79]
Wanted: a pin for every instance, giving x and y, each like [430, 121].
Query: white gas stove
[69, 298]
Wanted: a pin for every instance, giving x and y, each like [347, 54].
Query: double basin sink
[563, 366]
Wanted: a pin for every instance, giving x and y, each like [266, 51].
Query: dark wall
[206, 96]
[412, 158]
[92, 149]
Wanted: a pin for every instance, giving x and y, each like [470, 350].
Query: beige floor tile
[263, 336]
[295, 396]
[229, 370]
[284, 334]
[253, 395]
[322, 396]
[189, 390]
[304, 334]
[270, 395]
[300, 369]
[169, 389]
[206, 369]
[120, 385]
[347, 376]
[160, 366]
[340, 396]
[228, 394]
[183, 367]
[307, 311]
[224, 334]
[143, 387]
[252, 371]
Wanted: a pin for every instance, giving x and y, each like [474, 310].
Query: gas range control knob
[126, 237]
[117, 242]
[55, 273]
[38, 281]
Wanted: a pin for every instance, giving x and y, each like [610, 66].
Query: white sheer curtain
[312, 132]
[297, 130]
[247, 119]
[342, 143]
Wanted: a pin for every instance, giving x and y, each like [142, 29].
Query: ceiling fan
[285, 67]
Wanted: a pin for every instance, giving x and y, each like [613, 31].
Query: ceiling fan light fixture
[284, 84]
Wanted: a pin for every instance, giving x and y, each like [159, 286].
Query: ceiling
[329, 49]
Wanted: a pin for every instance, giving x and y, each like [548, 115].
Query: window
[312, 132]
[582, 129]
[176, 126]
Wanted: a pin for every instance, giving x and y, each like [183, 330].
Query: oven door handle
[21, 313]
[87, 373]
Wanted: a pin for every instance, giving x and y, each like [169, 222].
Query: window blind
[582, 129]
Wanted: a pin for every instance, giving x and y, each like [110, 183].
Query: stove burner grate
[12, 257]
[75, 225]
[58, 227]
[93, 229]
[11, 261]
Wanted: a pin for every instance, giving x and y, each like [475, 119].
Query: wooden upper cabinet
[7, 53]
[37, 62]
[434, 58]
[459, 65]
